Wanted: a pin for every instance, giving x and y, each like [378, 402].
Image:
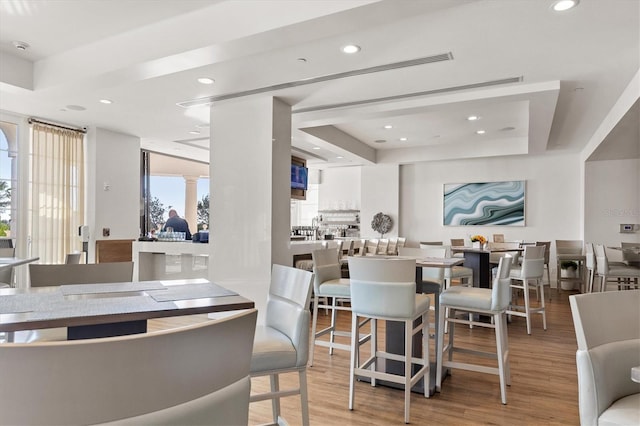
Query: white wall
[613, 198]
[552, 205]
[339, 188]
[113, 186]
[380, 194]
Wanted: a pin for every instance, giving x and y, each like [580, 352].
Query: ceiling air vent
[378, 68]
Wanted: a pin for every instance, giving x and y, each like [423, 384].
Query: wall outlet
[106, 232]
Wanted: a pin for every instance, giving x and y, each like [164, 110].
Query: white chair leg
[275, 401]
[314, 325]
[408, 340]
[374, 347]
[304, 397]
[527, 310]
[334, 314]
[542, 305]
[425, 354]
[355, 347]
[500, 352]
[439, 353]
[505, 343]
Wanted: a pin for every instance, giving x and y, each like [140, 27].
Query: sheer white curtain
[57, 192]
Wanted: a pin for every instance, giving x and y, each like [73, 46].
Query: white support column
[191, 202]
[250, 159]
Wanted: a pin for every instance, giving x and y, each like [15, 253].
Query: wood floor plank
[543, 381]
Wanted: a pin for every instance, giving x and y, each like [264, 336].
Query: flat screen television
[299, 176]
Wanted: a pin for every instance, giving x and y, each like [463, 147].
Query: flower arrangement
[478, 238]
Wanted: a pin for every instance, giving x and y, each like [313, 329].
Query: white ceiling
[145, 56]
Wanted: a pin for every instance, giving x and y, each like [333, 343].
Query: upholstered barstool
[492, 302]
[385, 288]
[523, 278]
[328, 284]
[281, 344]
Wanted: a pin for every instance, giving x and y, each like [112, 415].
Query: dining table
[10, 262]
[111, 309]
[394, 331]
[6, 266]
[478, 259]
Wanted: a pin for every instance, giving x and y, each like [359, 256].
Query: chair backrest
[457, 242]
[392, 249]
[6, 243]
[430, 243]
[436, 274]
[629, 256]
[54, 275]
[501, 290]
[602, 262]
[288, 306]
[401, 241]
[547, 249]
[436, 251]
[383, 287]
[7, 252]
[495, 256]
[326, 266]
[532, 262]
[498, 238]
[6, 276]
[589, 257]
[190, 375]
[72, 258]
[569, 246]
[383, 244]
[370, 246]
[607, 327]
[350, 248]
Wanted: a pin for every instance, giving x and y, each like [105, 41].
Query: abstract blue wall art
[485, 203]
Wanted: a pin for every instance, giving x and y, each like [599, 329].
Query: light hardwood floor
[543, 387]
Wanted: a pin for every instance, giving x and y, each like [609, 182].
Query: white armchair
[191, 375]
[607, 329]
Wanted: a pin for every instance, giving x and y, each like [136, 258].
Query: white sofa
[607, 329]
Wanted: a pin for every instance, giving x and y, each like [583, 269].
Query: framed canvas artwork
[484, 203]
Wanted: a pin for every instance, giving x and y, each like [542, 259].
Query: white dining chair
[281, 345]
[473, 300]
[526, 277]
[192, 375]
[385, 289]
[329, 288]
[607, 327]
[622, 275]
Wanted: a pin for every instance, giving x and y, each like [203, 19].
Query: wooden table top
[91, 304]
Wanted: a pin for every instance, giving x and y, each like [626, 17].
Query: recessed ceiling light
[507, 129]
[302, 60]
[404, 139]
[316, 147]
[195, 132]
[473, 118]
[351, 48]
[339, 157]
[480, 132]
[106, 101]
[205, 80]
[388, 126]
[562, 5]
[380, 141]
[76, 107]
[20, 45]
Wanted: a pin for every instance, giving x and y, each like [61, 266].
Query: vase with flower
[478, 241]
